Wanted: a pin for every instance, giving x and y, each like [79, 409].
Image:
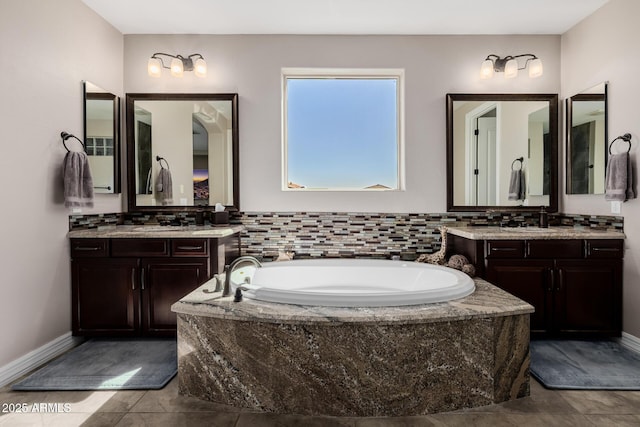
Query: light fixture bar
[510, 66]
[178, 64]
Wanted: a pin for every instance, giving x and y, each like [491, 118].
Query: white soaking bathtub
[352, 283]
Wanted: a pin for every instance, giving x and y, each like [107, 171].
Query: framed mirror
[587, 141]
[502, 152]
[102, 137]
[182, 151]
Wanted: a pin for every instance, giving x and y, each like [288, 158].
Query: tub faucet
[228, 269]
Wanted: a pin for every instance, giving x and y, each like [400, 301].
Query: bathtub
[352, 283]
[353, 361]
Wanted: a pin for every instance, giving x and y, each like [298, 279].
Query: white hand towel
[78, 184]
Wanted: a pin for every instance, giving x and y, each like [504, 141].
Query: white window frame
[346, 73]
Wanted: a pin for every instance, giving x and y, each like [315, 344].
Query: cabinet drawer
[89, 248]
[139, 247]
[505, 249]
[553, 249]
[189, 247]
[596, 249]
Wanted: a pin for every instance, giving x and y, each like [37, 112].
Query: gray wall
[251, 66]
[48, 48]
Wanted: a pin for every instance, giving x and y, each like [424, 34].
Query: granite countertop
[155, 231]
[533, 233]
[487, 301]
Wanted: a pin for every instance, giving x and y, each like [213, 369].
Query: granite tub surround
[534, 233]
[155, 231]
[383, 361]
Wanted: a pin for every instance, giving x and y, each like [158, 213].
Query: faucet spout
[228, 269]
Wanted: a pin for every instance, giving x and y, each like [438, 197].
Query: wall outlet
[615, 207]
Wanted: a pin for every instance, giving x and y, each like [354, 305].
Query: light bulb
[200, 68]
[486, 70]
[176, 67]
[154, 67]
[511, 69]
[535, 68]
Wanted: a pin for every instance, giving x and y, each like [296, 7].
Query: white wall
[604, 47]
[250, 66]
[48, 48]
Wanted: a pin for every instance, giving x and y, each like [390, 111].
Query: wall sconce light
[509, 66]
[178, 65]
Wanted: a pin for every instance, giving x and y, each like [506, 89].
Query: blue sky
[342, 132]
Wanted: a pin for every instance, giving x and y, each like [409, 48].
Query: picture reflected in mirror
[587, 141]
[101, 136]
[185, 150]
[502, 150]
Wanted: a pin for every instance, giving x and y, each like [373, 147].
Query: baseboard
[629, 341]
[32, 360]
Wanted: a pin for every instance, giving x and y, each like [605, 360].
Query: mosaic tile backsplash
[346, 234]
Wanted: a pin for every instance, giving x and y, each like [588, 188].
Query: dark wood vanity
[124, 286]
[575, 284]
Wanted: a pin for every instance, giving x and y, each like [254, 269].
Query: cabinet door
[529, 280]
[589, 297]
[164, 282]
[105, 296]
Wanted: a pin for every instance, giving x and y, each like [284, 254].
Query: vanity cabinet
[126, 286]
[574, 285]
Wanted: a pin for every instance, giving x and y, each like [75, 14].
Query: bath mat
[585, 365]
[108, 364]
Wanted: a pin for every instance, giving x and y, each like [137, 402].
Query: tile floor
[165, 407]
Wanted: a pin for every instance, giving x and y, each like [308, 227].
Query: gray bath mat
[585, 365]
[108, 364]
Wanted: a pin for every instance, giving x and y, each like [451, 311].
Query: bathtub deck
[383, 361]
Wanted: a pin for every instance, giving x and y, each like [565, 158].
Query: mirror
[587, 141]
[182, 151]
[502, 152]
[101, 136]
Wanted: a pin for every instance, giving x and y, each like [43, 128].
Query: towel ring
[66, 135]
[160, 159]
[626, 137]
[519, 159]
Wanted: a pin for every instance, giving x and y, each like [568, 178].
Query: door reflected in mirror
[193, 139]
[101, 136]
[502, 151]
[587, 141]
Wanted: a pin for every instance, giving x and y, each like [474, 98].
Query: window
[342, 129]
[99, 146]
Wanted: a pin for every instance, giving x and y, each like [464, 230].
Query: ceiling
[344, 16]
